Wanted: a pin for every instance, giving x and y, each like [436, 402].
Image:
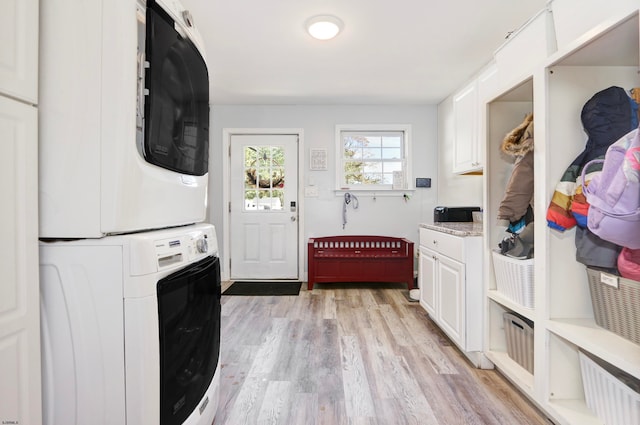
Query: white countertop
[455, 228]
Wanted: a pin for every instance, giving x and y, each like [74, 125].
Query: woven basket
[616, 309]
[514, 279]
[612, 394]
[519, 334]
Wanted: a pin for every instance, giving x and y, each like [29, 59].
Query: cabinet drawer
[443, 243]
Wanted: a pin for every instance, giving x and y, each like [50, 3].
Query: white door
[264, 206]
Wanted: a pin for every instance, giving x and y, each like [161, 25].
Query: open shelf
[496, 296]
[607, 345]
[497, 346]
[512, 371]
[574, 412]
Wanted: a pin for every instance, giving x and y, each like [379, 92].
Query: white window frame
[341, 184]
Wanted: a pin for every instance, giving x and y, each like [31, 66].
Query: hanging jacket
[606, 117]
[519, 191]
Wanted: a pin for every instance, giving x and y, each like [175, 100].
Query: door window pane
[264, 178]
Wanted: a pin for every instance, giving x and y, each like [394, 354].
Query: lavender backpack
[614, 193]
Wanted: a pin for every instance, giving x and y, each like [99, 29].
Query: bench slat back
[370, 243]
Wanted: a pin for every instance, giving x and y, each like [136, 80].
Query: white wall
[453, 189]
[322, 216]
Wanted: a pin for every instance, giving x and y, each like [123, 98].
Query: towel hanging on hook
[348, 199]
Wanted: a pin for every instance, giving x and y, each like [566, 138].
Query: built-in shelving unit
[555, 90]
[504, 113]
[606, 56]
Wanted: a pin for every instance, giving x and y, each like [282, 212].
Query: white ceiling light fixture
[324, 27]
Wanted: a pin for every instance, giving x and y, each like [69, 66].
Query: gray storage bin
[519, 333]
[615, 309]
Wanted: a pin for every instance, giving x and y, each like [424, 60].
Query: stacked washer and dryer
[130, 275]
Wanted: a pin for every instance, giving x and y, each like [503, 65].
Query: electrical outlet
[311, 191]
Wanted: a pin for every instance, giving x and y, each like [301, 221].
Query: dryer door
[189, 320]
[176, 108]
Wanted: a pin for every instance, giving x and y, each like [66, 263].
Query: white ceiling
[410, 52]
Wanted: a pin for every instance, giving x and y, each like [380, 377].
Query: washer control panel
[185, 247]
[202, 246]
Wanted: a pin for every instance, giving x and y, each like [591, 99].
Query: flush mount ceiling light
[324, 27]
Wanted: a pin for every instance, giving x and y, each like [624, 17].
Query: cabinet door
[465, 138]
[19, 290]
[19, 49]
[427, 281]
[451, 298]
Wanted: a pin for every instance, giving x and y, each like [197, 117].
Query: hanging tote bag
[614, 193]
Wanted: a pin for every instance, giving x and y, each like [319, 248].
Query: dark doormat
[263, 288]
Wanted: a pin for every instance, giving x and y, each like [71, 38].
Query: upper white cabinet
[515, 60]
[466, 153]
[469, 121]
[19, 50]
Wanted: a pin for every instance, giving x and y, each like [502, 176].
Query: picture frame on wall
[317, 159]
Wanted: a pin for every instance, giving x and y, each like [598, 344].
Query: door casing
[227, 133]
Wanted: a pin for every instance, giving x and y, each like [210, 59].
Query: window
[373, 157]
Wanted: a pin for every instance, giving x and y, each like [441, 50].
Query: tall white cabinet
[555, 89]
[20, 400]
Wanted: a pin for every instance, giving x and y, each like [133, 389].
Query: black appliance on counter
[453, 214]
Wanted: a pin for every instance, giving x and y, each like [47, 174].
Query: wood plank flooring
[352, 354]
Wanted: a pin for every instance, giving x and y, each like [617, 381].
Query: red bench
[360, 259]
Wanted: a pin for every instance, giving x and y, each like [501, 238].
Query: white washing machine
[124, 118]
[131, 328]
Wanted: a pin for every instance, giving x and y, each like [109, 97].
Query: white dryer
[131, 328]
[124, 118]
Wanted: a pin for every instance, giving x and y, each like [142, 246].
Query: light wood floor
[352, 354]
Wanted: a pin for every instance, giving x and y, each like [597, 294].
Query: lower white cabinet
[442, 292]
[427, 275]
[450, 281]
